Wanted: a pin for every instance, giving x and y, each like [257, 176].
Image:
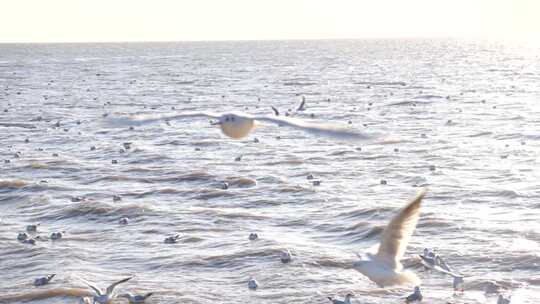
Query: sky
[178, 20]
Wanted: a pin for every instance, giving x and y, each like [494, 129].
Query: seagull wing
[110, 289]
[143, 119]
[147, 295]
[301, 106]
[94, 287]
[318, 129]
[396, 235]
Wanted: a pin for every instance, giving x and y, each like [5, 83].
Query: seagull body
[252, 283]
[416, 296]
[172, 239]
[56, 235]
[32, 228]
[346, 301]
[135, 299]
[238, 125]
[381, 263]
[286, 256]
[107, 296]
[502, 300]
[44, 280]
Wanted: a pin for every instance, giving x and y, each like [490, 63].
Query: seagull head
[235, 125]
[349, 295]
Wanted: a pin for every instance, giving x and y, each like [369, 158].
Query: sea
[466, 114]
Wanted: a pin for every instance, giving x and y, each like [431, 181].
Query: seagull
[172, 239]
[415, 296]
[433, 263]
[32, 228]
[22, 236]
[56, 235]
[346, 301]
[44, 280]
[252, 283]
[381, 263]
[108, 296]
[137, 299]
[286, 256]
[238, 125]
[86, 300]
[503, 300]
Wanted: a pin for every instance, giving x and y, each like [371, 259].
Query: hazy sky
[156, 20]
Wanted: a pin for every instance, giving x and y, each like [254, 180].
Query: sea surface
[467, 114]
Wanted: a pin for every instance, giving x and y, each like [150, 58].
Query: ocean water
[467, 112]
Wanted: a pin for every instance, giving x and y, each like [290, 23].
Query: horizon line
[447, 37]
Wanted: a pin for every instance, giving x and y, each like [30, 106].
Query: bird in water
[301, 107]
[346, 301]
[416, 296]
[107, 296]
[252, 283]
[286, 256]
[503, 300]
[253, 236]
[32, 228]
[22, 236]
[381, 263]
[135, 299]
[172, 239]
[238, 125]
[56, 235]
[43, 280]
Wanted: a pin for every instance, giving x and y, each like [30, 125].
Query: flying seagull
[381, 263]
[238, 125]
[107, 296]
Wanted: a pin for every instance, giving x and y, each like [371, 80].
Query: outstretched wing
[318, 129]
[143, 119]
[147, 295]
[110, 289]
[397, 234]
[94, 287]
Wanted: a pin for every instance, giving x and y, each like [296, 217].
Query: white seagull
[381, 263]
[135, 299]
[238, 125]
[107, 296]
[346, 301]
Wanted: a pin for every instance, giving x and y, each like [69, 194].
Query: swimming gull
[43, 280]
[416, 296]
[346, 301]
[135, 299]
